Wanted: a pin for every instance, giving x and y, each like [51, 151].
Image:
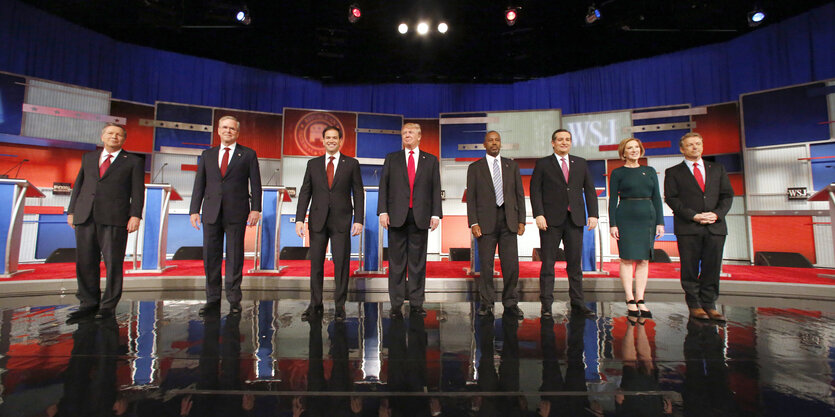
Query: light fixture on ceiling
[354, 13]
[403, 28]
[510, 15]
[422, 28]
[243, 16]
[755, 17]
[593, 14]
[443, 27]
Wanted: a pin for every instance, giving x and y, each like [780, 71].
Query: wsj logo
[797, 193]
[594, 133]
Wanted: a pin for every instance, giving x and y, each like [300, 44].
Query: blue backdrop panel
[823, 170]
[150, 239]
[597, 169]
[371, 176]
[665, 135]
[180, 233]
[789, 115]
[288, 235]
[731, 161]
[377, 145]
[182, 138]
[454, 135]
[53, 233]
[12, 90]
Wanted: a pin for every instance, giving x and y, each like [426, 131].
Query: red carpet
[445, 269]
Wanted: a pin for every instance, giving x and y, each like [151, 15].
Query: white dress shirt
[104, 154]
[223, 151]
[701, 167]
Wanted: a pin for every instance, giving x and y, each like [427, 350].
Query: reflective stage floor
[159, 358]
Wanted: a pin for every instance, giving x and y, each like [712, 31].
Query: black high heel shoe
[632, 313]
[644, 313]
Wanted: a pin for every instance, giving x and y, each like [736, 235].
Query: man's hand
[476, 229]
[544, 408]
[541, 224]
[521, 229]
[185, 405]
[69, 220]
[356, 229]
[705, 218]
[659, 231]
[300, 229]
[195, 221]
[433, 223]
[592, 223]
[613, 232]
[133, 224]
[384, 220]
[253, 218]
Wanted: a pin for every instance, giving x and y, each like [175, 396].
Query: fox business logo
[308, 131]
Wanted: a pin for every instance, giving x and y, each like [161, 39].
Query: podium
[13, 193]
[371, 239]
[268, 232]
[474, 270]
[154, 229]
[827, 194]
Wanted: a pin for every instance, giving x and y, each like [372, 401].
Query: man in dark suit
[496, 214]
[409, 205]
[228, 187]
[106, 205]
[329, 183]
[700, 195]
[558, 185]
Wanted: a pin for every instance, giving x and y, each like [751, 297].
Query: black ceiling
[313, 38]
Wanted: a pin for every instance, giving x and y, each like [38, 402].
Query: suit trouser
[701, 264]
[94, 241]
[571, 236]
[509, 258]
[213, 258]
[341, 251]
[407, 248]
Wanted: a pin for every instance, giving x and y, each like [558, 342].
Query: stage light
[423, 28]
[592, 15]
[510, 16]
[354, 13]
[443, 27]
[755, 17]
[403, 28]
[243, 17]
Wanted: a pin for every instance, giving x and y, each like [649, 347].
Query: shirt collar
[690, 163]
[114, 154]
[231, 147]
[335, 157]
[417, 151]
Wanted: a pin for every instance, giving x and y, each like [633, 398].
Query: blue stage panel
[53, 233]
[12, 91]
[789, 115]
[823, 170]
[180, 233]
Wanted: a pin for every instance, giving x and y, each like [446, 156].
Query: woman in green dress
[636, 219]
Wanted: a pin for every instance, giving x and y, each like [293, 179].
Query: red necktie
[225, 162]
[411, 168]
[564, 169]
[104, 165]
[698, 174]
[330, 172]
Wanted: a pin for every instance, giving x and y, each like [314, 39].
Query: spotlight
[403, 28]
[510, 16]
[423, 28]
[443, 27]
[755, 17]
[592, 15]
[354, 13]
[243, 17]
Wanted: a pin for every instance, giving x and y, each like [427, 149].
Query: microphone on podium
[159, 172]
[272, 176]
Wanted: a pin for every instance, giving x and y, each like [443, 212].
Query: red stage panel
[430, 135]
[140, 138]
[719, 128]
[45, 165]
[303, 131]
[771, 234]
[259, 131]
[526, 184]
[455, 233]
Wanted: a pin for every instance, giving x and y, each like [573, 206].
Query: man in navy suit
[106, 204]
[228, 187]
[558, 185]
[700, 195]
[496, 214]
[409, 206]
[329, 183]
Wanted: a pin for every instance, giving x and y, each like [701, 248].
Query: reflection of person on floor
[639, 374]
[90, 378]
[340, 380]
[575, 374]
[706, 385]
[507, 378]
[406, 368]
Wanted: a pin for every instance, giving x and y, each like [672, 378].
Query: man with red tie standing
[700, 195]
[330, 181]
[228, 187]
[409, 206]
[106, 205]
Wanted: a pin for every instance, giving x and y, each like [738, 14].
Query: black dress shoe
[514, 311]
[209, 308]
[81, 313]
[396, 313]
[583, 311]
[339, 315]
[418, 310]
[104, 313]
[545, 313]
[235, 308]
[311, 312]
[485, 310]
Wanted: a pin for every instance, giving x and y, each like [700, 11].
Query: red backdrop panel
[738, 183]
[430, 135]
[719, 128]
[45, 165]
[770, 234]
[303, 131]
[259, 131]
[140, 138]
[455, 232]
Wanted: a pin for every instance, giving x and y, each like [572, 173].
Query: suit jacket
[237, 193]
[394, 189]
[334, 201]
[481, 196]
[684, 196]
[551, 196]
[113, 198]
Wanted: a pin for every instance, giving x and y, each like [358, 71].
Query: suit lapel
[400, 161]
[488, 174]
[506, 176]
[212, 157]
[114, 163]
[337, 174]
[234, 158]
[421, 165]
[692, 176]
